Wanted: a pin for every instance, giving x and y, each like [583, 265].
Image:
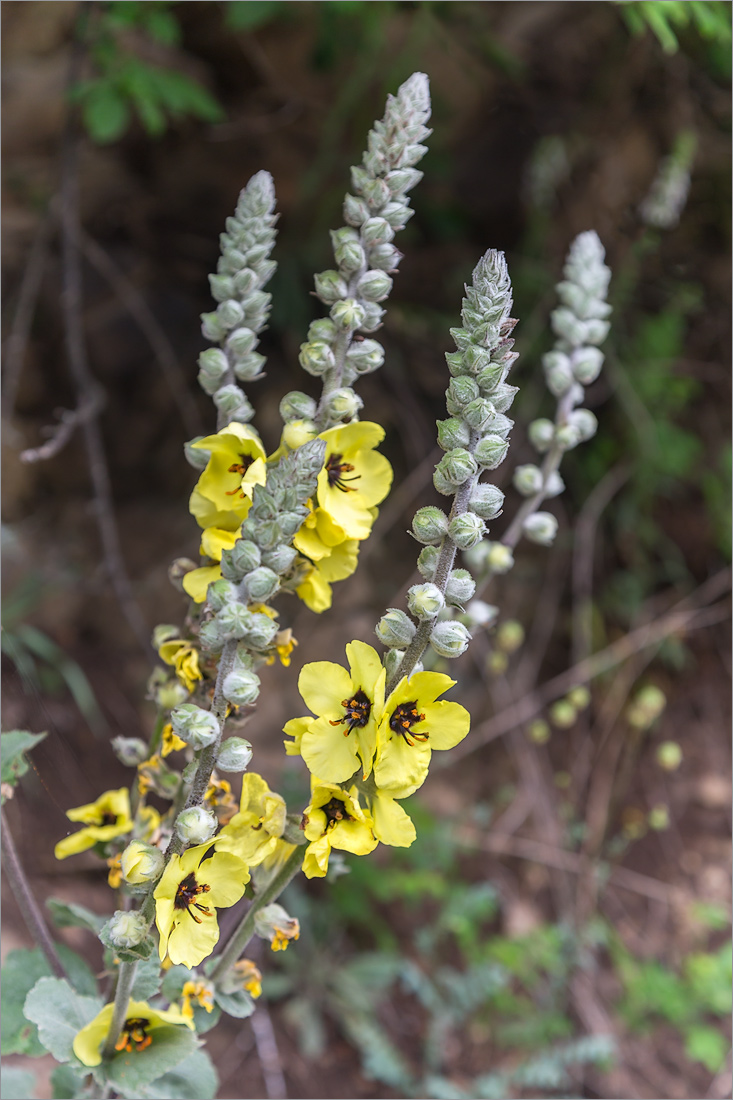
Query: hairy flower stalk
[474, 439]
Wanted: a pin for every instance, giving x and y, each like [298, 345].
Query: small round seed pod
[197, 727]
[425, 600]
[450, 639]
[542, 434]
[241, 687]
[234, 755]
[540, 528]
[491, 451]
[466, 530]
[430, 525]
[297, 406]
[395, 629]
[528, 480]
[195, 825]
[460, 588]
[486, 501]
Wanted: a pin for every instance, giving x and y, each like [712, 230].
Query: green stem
[245, 931]
[122, 1000]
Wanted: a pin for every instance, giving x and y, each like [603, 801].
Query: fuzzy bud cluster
[243, 306]
[365, 257]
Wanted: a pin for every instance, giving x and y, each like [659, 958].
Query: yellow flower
[349, 707]
[147, 823]
[249, 977]
[200, 992]
[334, 819]
[141, 862]
[104, 819]
[318, 535]
[114, 878]
[186, 899]
[285, 643]
[354, 478]
[213, 541]
[220, 801]
[412, 725]
[392, 825]
[184, 658]
[274, 924]
[142, 1027]
[295, 728]
[170, 741]
[223, 494]
[254, 832]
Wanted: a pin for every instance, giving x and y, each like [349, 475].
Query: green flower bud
[554, 485]
[499, 558]
[392, 660]
[220, 593]
[211, 637]
[490, 377]
[395, 629]
[341, 236]
[213, 369]
[197, 727]
[466, 530]
[563, 714]
[230, 312]
[241, 342]
[453, 433]
[491, 451]
[459, 393]
[127, 928]
[297, 406]
[596, 330]
[402, 179]
[567, 326]
[316, 357]
[460, 588]
[350, 257]
[558, 372]
[373, 314]
[510, 636]
[374, 286]
[347, 315]
[141, 862]
[234, 755]
[274, 924]
[323, 329]
[450, 638]
[538, 731]
[540, 528]
[486, 501]
[442, 484]
[377, 231]
[586, 364]
[213, 327]
[164, 632]
[290, 522]
[244, 556]
[268, 535]
[457, 466]
[233, 403]
[503, 397]
[234, 620]
[195, 825]
[669, 755]
[249, 366]
[482, 614]
[131, 751]
[376, 193]
[344, 404]
[428, 560]
[330, 287]
[385, 257]
[222, 287]
[245, 282]
[584, 422]
[241, 687]
[659, 817]
[262, 631]
[365, 356]
[280, 559]
[542, 434]
[479, 414]
[425, 600]
[579, 697]
[567, 437]
[528, 480]
[430, 525]
[355, 211]
[197, 457]
[261, 583]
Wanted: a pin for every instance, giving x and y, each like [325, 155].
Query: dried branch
[61, 433]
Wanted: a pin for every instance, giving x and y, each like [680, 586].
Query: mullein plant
[292, 522]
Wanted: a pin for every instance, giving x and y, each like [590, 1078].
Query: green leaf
[707, 1045]
[105, 113]
[78, 971]
[709, 979]
[67, 1083]
[194, 1079]
[245, 15]
[12, 747]
[162, 26]
[66, 914]
[147, 980]
[17, 1083]
[135, 1070]
[238, 1004]
[21, 970]
[711, 914]
[60, 1014]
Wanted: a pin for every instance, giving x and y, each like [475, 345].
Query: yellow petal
[207, 514]
[341, 562]
[328, 753]
[352, 836]
[215, 539]
[323, 685]
[315, 861]
[196, 583]
[448, 723]
[392, 825]
[400, 766]
[362, 435]
[315, 592]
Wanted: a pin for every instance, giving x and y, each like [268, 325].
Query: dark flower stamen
[241, 469]
[188, 890]
[358, 709]
[403, 718]
[335, 810]
[335, 469]
[134, 1032]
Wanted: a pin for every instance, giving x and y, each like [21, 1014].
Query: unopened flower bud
[491, 376]
[198, 457]
[460, 587]
[296, 406]
[430, 525]
[528, 480]
[213, 327]
[233, 402]
[374, 286]
[479, 414]
[262, 583]
[195, 825]
[459, 393]
[453, 433]
[510, 636]
[241, 687]
[458, 465]
[330, 287]
[197, 727]
[445, 487]
[554, 484]
[350, 257]
[355, 211]
[395, 629]
[385, 257]
[486, 501]
[563, 714]
[220, 593]
[567, 437]
[373, 314]
[365, 356]
[567, 326]
[126, 928]
[392, 661]
[586, 364]
[503, 397]
[491, 451]
[244, 556]
[466, 530]
[558, 372]
[584, 422]
[377, 231]
[131, 751]
[298, 432]
[499, 558]
[425, 600]
[230, 312]
[213, 369]
[280, 559]
[234, 755]
[541, 434]
[669, 755]
[164, 632]
[450, 638]
[482, 614]
[344, 403]
[427, 561]
[249, 366]
[540, 528]
[261, 631]
[222, 287]
[316, 357]
[234, 620]
[322, 329]
[241, 342]
[347, 314]
[579, 697]
[141, 862]
[274, 924]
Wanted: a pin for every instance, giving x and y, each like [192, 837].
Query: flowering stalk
[125, 978]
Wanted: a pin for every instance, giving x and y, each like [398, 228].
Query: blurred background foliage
[559, 926]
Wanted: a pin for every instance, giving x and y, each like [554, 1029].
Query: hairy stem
[122, 999]
[28, 905]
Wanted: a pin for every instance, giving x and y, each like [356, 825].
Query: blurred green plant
[668, 19]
